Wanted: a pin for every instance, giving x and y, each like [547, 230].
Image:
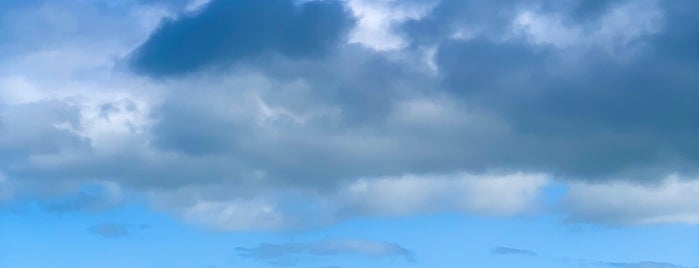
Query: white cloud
[113, 112]
[491, 195]
[628, 22]
[507, 194]
[196, 5]
[112, 124]
[544, 29]
[375, 20]
[235, 215]
[18, 90]
[615, 31]
[674, 200]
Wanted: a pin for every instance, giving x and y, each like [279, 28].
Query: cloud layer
[489, 195]
[242, 114]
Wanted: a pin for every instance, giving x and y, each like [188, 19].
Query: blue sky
[349, 133]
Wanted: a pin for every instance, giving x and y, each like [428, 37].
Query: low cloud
[645, 264]
[91, 198]
[292, 253]
[507, 251]
[497, 194]
[500, 250]
[115, 230]
[481, 194]
[672, 200]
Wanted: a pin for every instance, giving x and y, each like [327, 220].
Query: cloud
[376, 20]
[500, 250]
[645, 264]
[68, 197]
[48, 132]
[493, 195]
[563, 103]
[507, 194]
[81, 202]
[225, 32]
[672, 200]
[290, 254]
[288, 122]
[6, 189]
[115, 230]
[505, 251]
[615, 29]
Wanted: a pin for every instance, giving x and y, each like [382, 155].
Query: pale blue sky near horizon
[36, 237]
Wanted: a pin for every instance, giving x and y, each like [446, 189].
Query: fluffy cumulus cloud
[243, 114]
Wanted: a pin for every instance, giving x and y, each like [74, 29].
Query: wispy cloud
[289, 254]
[500, 250]
[115, 230]
[645, 264]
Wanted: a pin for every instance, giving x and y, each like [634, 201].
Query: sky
[349, 133]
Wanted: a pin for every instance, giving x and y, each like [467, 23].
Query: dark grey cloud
[177, 5]
[291, 254]
[196, 137]
[448, 16]
[584, 9]
[115, 230]
[358, 93]
[599, 118]
[602, 117]
[500, 250]
[225, 32]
